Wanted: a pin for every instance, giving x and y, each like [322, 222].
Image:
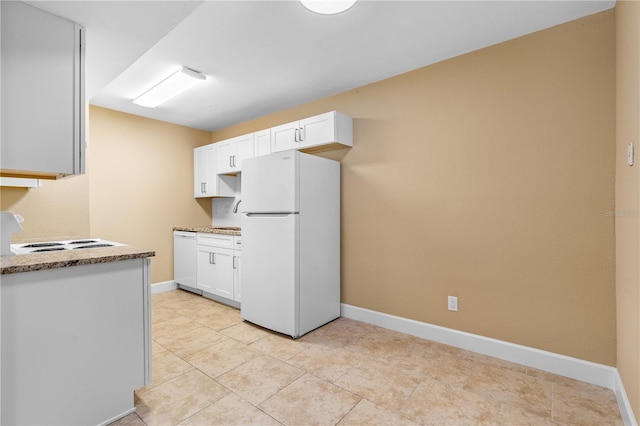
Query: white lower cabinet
[76, 343]
[218, 267]
[215, 271]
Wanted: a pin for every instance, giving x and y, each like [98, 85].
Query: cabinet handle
[234, 161]
[213, 255]
[234, 262]
[301, 134]
[295, 135]
[230, 161]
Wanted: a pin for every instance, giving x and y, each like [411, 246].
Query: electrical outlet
[452, 302]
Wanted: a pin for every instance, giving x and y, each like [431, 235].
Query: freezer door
[270, 271]
[270, 183]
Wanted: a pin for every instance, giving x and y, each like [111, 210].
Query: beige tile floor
[212, 368]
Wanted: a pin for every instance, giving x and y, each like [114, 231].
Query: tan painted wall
[627, 16]
[487, 177]
[141, 176]
[58, 208]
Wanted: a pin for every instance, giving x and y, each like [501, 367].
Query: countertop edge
[30, 263]
[210, 230]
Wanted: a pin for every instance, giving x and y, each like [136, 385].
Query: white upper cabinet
[321, 132]
[232, 152]
[201, 170]
[262, 142]
[216, 164]
[285, 136]
[206, 183]
[43, 108]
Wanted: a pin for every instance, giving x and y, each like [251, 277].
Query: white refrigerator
[290, 242]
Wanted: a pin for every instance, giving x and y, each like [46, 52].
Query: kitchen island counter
[226, 230]
[67, 258]
[76, 334]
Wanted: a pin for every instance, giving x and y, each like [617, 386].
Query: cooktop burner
[83, 242]
[48, 249]
[36, 245]
[62, 245]
[94, 246]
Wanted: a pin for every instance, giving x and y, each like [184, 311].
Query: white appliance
[185, 254]
[291, 241]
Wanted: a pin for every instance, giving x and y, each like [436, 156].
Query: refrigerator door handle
[274, 215]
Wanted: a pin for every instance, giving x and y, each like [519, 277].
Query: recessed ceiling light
[328, 7]
[176, 83]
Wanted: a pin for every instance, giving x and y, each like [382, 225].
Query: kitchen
[531, 256]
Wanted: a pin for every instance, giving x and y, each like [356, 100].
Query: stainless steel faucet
[235, 208]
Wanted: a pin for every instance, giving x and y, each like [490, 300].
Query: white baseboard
[118, 417]
[574, 368]
[163, 286]
[623, 402]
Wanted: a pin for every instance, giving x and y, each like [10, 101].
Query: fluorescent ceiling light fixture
[176, 83]
[328, 7]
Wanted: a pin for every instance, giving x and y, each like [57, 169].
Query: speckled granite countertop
[227, 230]
[66, 258]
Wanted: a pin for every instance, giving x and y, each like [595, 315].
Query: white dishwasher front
[185, 254]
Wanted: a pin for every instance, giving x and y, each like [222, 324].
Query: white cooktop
[52, 246]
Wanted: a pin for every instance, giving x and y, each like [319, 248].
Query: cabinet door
[222, 267]
[317, 130]
[205, 272]
[285, 137]
[199, 171]
[262, 142]
[237, 258]
[42, 92]
[226, 151]
[244, 150]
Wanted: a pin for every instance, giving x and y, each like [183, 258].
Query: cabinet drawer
[215, 240]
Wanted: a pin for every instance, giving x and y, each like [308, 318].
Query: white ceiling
[264, 56]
